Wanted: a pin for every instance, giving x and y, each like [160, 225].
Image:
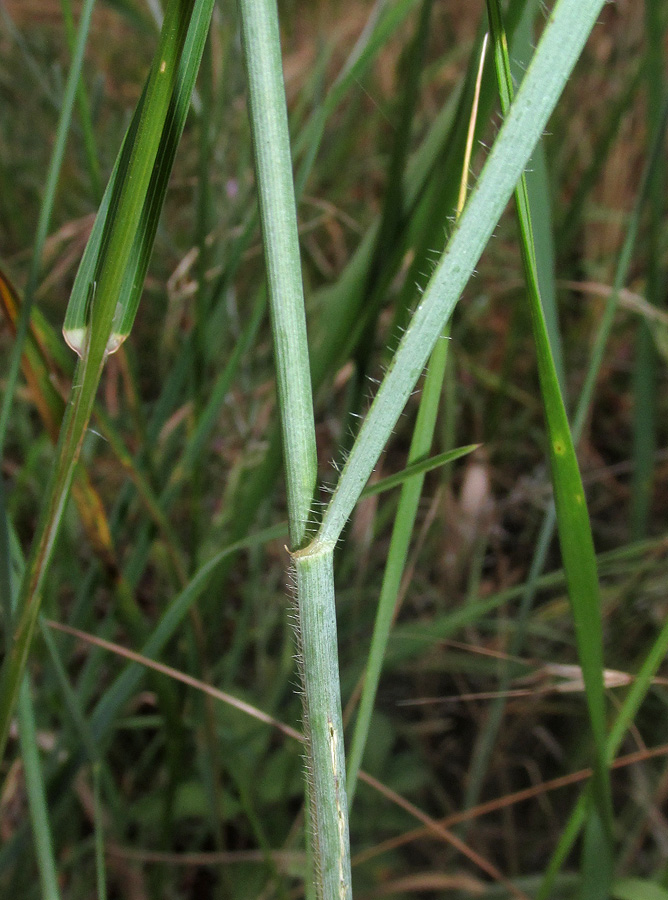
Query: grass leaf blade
[560, 45]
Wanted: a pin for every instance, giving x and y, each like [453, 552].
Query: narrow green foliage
[575, 536]
[44, 220]
[100, 864]
[390, 226]
[538, 187]
[645, 371]
[46, 211]
[159, 582]
[396, 561]
[78, 316]
[625, 717]
[420, 467]
[538, 190]
[72, 702]
[571, 223]
[39, 815]
[92, 158]
[111, 702]
[365, 51]
[405, 518]
[118, 242]
[36, 790]
[561, 42]
[266, 98]
[641, 684]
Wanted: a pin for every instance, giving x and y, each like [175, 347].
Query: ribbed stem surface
[326, 769]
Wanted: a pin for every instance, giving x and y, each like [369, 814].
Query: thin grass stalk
[128, 681]
[34, 782]
[581, 415]
[92, 157]
[420, 467]
[560, 45]
[5, 572]
[558, 50]
[539, 193]
[45, 213]
[107, 289]
[332, 345]
[192, 50]
[645, 369]
[323, 727]
[411, 491]
[269, 122]
[576, 820]
[621, 725]
[375, 35]
[29, 60]
[424, 219]
[391, 223]
[570, 223]
[316, 615]
[98, 825]
[34, 779]
[43, 223]
[575, 536]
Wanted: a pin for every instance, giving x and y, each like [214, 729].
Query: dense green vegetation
[382, 439]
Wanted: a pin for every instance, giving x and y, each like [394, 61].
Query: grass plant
[296, 214]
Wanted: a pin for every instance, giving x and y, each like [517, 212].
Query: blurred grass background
[199, 800]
